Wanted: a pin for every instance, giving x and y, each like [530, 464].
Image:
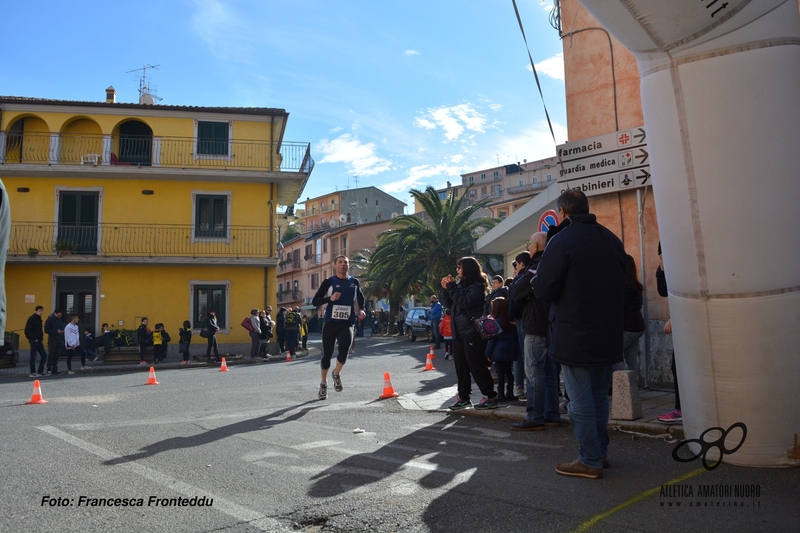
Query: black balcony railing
[138, 240]
[292, 295]
[143, 151]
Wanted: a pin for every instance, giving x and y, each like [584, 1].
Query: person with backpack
[291, 325]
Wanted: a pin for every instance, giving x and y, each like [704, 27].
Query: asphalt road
[263, 454]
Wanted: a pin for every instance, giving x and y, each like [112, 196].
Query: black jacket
[33, 328]
[51, 327]
[534, 310]
[466, 302]
[633, 321]
[582, 275]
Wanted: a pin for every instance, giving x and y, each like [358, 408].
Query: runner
[344, 299]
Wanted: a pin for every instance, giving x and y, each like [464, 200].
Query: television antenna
[146, 92]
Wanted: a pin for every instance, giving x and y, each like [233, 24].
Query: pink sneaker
[671, 417]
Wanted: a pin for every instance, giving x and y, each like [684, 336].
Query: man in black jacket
[54, 328]
[540, 369]
[33, 332]
[582, 275]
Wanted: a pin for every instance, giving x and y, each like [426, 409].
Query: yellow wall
[123, 201]
[128, 292]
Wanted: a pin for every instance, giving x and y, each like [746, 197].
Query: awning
[510, 235]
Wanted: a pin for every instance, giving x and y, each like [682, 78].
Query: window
[503, 214]
[472, 193]
[213, 138]
[334, 247]
[315, 281]
[211, 216]
[496, 190]
[549, 178]
[344, 245]
[496, 175]
[443, 195]
[325, 245]
[314, 209]
[376, 202]
[483, 176]
[309, 255]
[521, 182]
[471, 180]
[207, 297]
[483, 191]
[318, 255]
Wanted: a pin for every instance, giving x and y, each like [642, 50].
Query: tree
[291, 232]
[417, 253]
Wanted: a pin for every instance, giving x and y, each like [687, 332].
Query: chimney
[111, 95]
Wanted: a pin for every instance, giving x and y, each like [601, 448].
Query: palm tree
[418, 253]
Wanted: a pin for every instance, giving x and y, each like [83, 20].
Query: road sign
[602, 144]
[606, 163]
[549, 218]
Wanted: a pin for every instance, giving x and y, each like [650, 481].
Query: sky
[396, 95]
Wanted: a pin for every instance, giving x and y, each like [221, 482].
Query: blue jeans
[437, 338]
[588, 410]
[541, 376]
[37, 346]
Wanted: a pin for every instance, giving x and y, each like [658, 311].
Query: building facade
[121, 211]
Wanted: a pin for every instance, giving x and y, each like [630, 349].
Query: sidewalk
[97, 367]
[654, 403]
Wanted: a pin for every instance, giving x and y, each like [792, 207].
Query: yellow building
[121, 211]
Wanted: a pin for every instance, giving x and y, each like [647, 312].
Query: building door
[77, 222]
[78, 295]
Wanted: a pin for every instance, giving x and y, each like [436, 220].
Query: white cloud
[359, 158]
[458, 158]
[454, 120]
[552, 67]
[419, 177]
[412, 53]
[532, 143]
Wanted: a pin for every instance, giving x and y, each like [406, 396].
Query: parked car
[418, 323]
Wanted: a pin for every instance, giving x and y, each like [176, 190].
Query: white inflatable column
[721, 101]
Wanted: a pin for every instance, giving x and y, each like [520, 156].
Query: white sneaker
[519, 392]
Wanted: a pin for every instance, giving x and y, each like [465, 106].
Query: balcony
[529, 187]
[85, 151]
[120, 243]
[326, 208]
[288, 265]
[291, 295]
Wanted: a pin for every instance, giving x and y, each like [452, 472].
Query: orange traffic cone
[432, 353]
[288, 356]
[388, 390]
[152, 379]
[428, 363]
[36, 397]
[224, 367]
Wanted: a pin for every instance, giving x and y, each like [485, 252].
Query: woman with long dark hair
[465, 298]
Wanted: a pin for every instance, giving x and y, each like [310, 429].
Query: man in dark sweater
[582, 275]
[54, 328]
[33, 332]
[540, 369]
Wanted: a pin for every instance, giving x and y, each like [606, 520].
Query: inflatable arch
[722, 110]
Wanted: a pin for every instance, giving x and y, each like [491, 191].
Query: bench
[127, 355]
